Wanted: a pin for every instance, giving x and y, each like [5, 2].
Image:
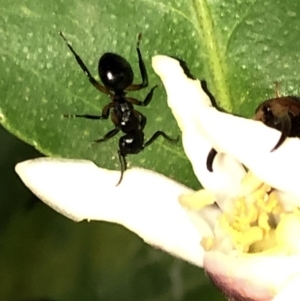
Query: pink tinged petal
[251, 278]
[145, 202]
[251, 143]
[186, 99]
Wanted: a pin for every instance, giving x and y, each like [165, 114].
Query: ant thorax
[126, 119]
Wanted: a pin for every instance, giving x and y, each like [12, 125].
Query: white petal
[145, 202]
[290, 291]
[186, 99]
[251, 143]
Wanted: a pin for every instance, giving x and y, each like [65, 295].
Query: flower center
[256, 223]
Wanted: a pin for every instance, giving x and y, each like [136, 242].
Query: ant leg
[156, 135]
[123, 164]
[109, 135]
[210, 159]
[142, 67]
[142, 118]
[83, 116]
[106, 110]
[105, 114]
[85, 69]
[143, 121]
[145, 102]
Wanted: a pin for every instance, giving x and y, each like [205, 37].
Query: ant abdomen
[132, 143]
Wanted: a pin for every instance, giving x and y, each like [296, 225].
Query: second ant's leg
[85, 69]
[145, 102]
[142, 67]
[109, 135]
[160, 133]
[285, 124]
[210, 159]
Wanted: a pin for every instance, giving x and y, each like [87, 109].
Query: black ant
[281, 113]
[117, 77]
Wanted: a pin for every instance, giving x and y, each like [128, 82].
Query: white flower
[243, 228]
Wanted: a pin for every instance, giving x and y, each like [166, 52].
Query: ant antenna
[139, 40]
[277, 92]
[62, 35]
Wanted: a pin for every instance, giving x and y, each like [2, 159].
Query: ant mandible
[117, 78]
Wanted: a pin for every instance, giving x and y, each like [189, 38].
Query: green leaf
[239, 47]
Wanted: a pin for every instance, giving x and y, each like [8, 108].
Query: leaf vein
[216, 62]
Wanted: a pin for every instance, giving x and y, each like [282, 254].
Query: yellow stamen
[207, 243]
[197, 200]
[257, 222]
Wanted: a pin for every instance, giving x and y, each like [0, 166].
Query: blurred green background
[45, 255]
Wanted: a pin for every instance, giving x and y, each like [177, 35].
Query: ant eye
[267, 109]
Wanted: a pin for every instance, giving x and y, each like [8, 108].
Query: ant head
[131, 143]
[282, 114]
[115, 72]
